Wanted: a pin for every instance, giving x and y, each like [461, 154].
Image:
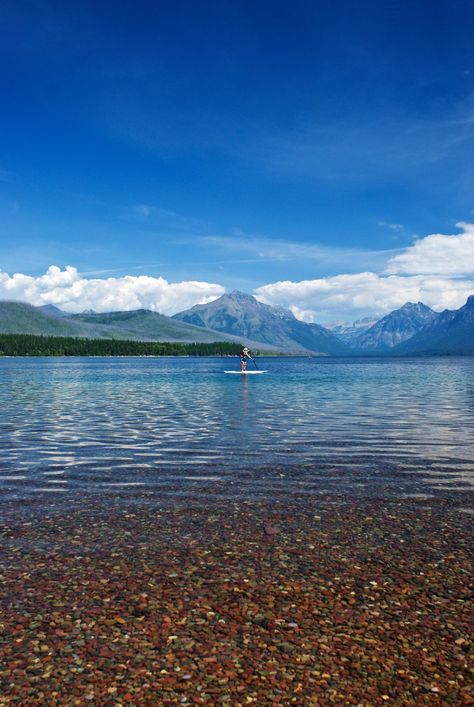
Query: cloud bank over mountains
[364, 293]
[71, 292]
[437, 270]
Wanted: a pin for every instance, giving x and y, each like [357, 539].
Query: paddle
[253, 359]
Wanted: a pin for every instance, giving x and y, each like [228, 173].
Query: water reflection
[160, 426]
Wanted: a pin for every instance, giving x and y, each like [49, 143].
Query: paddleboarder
[243, 358]
[246, 353]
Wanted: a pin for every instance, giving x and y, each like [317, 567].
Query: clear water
[179, 426]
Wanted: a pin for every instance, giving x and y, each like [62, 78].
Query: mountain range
[449, 332]
[345, 331]
[137, 325]
[410, 330]
[242, 315]
[396, 327]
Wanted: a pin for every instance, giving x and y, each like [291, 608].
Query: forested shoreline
[31, 345]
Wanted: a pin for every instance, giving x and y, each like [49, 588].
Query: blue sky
[234, 143]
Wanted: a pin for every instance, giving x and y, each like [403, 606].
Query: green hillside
[139, 325]
[144, 325]
[17, 317]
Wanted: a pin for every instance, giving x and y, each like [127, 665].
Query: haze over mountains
[412, 329]
[346, 330]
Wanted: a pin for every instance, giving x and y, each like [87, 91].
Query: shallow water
[148, 427]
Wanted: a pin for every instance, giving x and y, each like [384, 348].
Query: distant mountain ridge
[451, 332]
[53, 310]
[345, 331]
[411, 330]
[398, 326]
[243, 315]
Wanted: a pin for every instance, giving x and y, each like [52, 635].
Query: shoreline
[350, 601]
[326, 357]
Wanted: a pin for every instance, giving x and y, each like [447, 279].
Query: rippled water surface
[180, 426]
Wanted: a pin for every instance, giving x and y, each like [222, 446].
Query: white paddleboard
[246, 373]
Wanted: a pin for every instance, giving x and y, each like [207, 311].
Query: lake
[179, 428]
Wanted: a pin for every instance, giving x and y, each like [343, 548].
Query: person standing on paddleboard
[243, 358]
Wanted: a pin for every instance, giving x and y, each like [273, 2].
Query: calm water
[72, 428]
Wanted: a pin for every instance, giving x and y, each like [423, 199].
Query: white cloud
[306, 315]
[70, 291]
[437, 270]
[355, 295]
[392, 226]
[437, 255]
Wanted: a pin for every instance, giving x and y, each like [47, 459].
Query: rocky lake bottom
[305, 539]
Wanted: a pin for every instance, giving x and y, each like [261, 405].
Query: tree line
[31, 345]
